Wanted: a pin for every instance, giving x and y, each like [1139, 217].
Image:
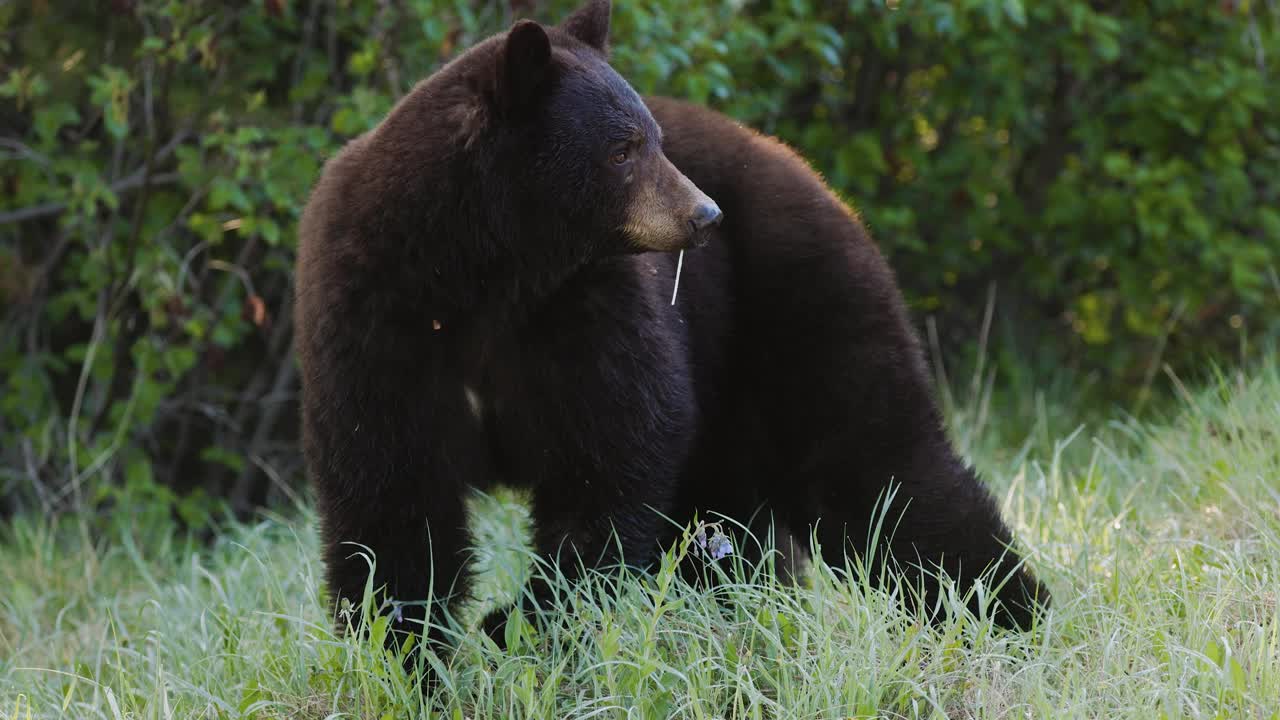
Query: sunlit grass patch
[1160, 540]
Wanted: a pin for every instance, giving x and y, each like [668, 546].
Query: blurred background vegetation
[1109, 172]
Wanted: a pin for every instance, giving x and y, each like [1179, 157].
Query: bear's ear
[524, 66]
[590, 24]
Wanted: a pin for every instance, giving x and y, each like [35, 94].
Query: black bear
[485, 295]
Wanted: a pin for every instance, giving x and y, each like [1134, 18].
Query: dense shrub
[1114, 167]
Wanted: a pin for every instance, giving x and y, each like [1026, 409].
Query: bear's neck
[457, 243]
[459, 260]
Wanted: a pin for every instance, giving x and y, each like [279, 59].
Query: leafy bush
[1114, 170]
[1116, 173]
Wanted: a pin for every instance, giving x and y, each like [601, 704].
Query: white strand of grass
[679, 266]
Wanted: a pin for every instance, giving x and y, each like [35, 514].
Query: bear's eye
[620, 156]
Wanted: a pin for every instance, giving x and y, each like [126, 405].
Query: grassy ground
[1160, 540]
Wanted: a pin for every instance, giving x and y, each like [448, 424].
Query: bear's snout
[707, 215]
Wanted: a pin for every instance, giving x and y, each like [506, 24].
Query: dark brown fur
[475, 307]
[825, 394]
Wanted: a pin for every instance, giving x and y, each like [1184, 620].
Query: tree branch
[136, 180]
[133, 182]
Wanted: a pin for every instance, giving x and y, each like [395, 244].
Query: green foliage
[1117, 173]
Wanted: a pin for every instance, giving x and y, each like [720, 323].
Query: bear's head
[499, 175]
[528, 149]
[583, 143]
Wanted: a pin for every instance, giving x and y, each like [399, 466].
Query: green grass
[1160, 540]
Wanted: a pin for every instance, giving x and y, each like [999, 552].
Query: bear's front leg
[417, 544]
[579, 529]
[597, 417]
[390, 452]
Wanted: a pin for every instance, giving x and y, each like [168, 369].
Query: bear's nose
[707, 215]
